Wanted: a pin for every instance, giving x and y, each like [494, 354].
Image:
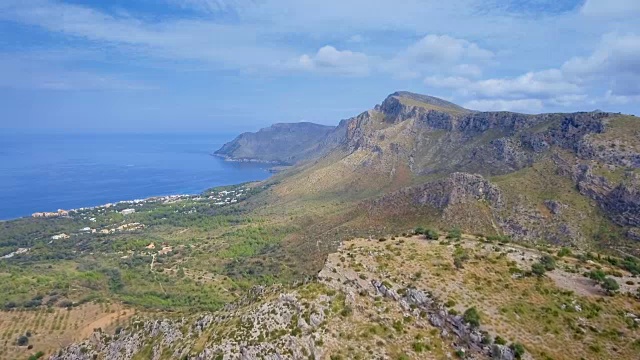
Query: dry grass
[54, 328]
[534, 311]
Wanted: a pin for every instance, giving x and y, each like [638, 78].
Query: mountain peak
[430, 102]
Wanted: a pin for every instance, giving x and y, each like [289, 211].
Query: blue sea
[40, 172]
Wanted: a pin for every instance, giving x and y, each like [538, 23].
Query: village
[127, 209]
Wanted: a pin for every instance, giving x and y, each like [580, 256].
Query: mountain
[564, 178]
[416, 229]
[278, 144]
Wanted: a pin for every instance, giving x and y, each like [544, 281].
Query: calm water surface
[50, 172]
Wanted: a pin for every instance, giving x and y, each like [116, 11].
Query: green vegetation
[518, 350]
[460, 256]
[546, 263]
[214, 253]
[610, 285]
[455, 234]
[472, 317]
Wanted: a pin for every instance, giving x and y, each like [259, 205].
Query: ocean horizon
[42, 172]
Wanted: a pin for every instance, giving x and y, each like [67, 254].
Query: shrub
[431, 234]
[564, 252]
[454, 233]
[548, 261]
[610, 285]
[23, 340]
[419, 231]
[499, 340]
[419, 346]
[518, 350]
[597, 275]
[538, 269]
[472, 317]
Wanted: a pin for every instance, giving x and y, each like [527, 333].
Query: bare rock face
[459, 188]
[502, 352]
[621, 202]
[556, 207]
[624, 202]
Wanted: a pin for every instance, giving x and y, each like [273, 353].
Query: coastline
[154, 198]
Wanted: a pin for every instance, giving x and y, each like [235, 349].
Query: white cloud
[610, 7]
[541, 84]
[520, 105]
[469, 70]
[438, 54]
[444, 49]
[615, 62]
[613, 99]
[225, 45]
[331, 60]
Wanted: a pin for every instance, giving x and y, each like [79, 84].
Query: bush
[472, 317]
[454, 233]
[597, 275]
[564, 252]
[518, 350]
[431, 234]
[36, 356]
[419, 231]
[23, 341]
[499, 340]
[419, 346]
[610, 285]
[538, 269]
[548, 261]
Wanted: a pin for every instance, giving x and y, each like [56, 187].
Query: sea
[47, 172]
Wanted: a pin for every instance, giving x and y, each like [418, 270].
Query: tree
[472, 317]
[610, 285]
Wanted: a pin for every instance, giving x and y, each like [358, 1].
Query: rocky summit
[561, 178]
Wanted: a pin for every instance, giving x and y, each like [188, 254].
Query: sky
[238, 65]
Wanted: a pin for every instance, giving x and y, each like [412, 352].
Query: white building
[127, 211]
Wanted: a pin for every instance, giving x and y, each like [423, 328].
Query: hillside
[284, 144]
[320, 260]
[408, 297]
[563, 178]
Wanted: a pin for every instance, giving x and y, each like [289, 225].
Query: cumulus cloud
[541, 84]
[616, 61]
[438, 54]
[331, 60]
[444, 49]
[520, 105]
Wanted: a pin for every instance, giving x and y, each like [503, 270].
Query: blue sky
[237, 65]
